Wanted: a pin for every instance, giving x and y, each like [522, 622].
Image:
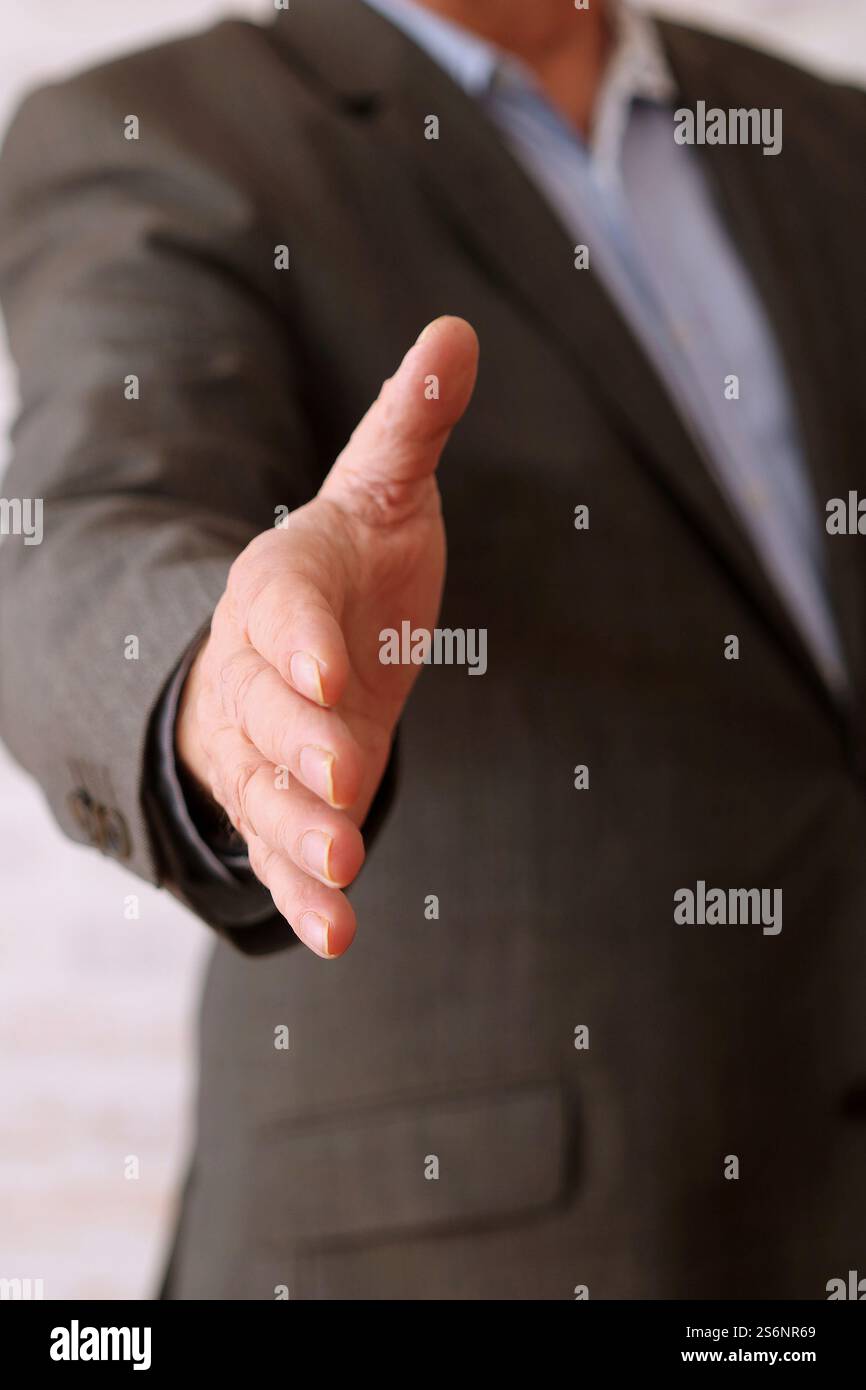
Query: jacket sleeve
[161, 426]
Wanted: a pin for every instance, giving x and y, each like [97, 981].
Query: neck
[564, 47]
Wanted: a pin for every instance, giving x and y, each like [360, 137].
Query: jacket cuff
[203, 861]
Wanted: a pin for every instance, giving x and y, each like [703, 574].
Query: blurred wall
[97, 1012]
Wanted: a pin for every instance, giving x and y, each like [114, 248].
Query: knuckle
[281, 622]
[222, 621]
[249, 575]
[262, 860]
[222, 794]
[238, 574]
[241, 782]
[236, 678]
[389, 500]
[275, 623]
[388, 491]
[306, 894]
[383, 502]
[285, 830]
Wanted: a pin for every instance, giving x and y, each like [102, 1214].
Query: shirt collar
[468, 59]
[637, 68]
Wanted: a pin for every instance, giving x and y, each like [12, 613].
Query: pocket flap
[493, 1154]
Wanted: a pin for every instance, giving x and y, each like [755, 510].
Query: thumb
[383, 469]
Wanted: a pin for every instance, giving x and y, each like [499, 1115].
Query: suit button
[103, 826]
[115, 835]
[85, 814]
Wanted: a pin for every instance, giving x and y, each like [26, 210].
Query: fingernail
[307, 676]
[316, 853]
[425, 331]
[317, 771]
[317, 930]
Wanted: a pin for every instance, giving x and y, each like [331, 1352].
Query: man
[601, 1033]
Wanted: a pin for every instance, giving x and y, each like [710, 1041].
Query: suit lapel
[766, 204]
[517, 240]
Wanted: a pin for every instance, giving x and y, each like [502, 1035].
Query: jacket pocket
[434, 1164]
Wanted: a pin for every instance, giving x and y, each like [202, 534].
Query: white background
[96, 1012]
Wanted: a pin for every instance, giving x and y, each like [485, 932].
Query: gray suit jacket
[453, 1038]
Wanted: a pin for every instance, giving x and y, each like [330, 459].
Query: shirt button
[681, 333]
[756, 497]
